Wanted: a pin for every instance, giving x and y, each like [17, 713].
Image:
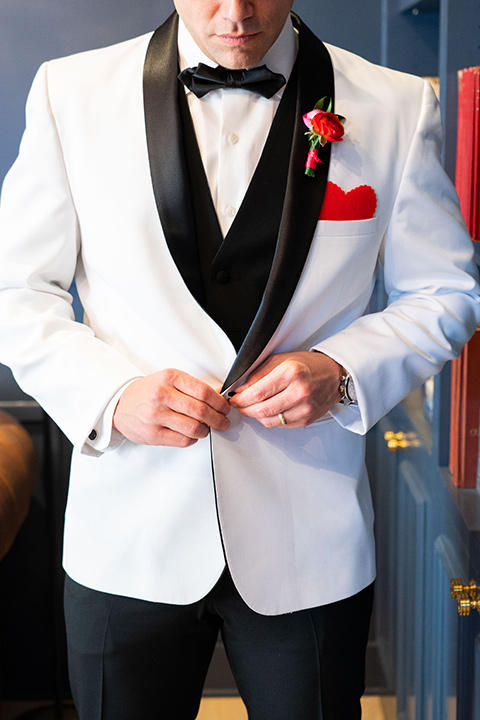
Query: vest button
[223, 277]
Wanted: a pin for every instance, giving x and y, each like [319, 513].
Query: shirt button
[230, 211]
[233, 139]
[223, 277]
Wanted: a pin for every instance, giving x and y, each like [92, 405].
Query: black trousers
[137, 660]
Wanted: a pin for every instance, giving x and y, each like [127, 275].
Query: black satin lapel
[303, 202]
[166, 153]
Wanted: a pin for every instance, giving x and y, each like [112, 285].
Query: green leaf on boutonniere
[321, 103]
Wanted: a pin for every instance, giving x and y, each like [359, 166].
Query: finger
[151, 431]
[270, 385]
[193, 412]
[170, 438]
[290, 419]
[268, 411]
[286, 420]
[177, 391]
[293, 418]
[200, 391]
[185, 425]
[262, 370]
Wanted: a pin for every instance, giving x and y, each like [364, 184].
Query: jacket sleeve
[431, 282]
[58, 361]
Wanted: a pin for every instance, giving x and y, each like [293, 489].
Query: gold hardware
[400, 440]
[467, 596]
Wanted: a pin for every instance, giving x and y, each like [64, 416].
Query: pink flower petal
[307, 118]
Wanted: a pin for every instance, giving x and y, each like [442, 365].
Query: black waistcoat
[233, 272]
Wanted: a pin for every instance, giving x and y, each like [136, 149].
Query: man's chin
[237, 56]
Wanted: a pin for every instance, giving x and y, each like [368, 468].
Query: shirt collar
[280, 58]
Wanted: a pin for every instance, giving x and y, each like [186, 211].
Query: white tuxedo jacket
[289, 509]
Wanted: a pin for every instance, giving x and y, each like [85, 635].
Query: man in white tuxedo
[227, 368]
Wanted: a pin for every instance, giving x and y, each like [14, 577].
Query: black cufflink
[93, 435]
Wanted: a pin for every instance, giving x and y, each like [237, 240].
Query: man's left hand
[300, 387]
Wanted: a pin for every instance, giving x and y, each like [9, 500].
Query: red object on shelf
[468, 148]
[465, 400]
[465, 413]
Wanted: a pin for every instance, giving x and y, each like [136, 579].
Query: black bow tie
[203, 78]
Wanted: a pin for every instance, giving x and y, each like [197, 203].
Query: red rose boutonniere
[323, 126]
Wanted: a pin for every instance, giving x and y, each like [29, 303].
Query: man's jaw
[238, 50]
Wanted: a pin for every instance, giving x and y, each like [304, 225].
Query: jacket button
[223, 277]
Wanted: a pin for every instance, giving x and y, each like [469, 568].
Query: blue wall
[32, 31]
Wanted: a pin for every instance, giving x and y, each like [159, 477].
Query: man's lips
[237, 40]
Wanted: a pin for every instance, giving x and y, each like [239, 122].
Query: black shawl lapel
[304, 195]
[303, 202]
[166, 152]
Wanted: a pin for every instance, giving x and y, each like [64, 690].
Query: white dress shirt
[232, 127]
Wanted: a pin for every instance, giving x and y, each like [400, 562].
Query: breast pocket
[343, 261]
[346, 228]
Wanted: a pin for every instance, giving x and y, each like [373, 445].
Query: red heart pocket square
[357, 204]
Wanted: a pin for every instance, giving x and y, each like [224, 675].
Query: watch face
[350, 389]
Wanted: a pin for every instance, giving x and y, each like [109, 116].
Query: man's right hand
[171, 408]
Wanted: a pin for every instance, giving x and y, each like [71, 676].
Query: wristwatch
[347, 390]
